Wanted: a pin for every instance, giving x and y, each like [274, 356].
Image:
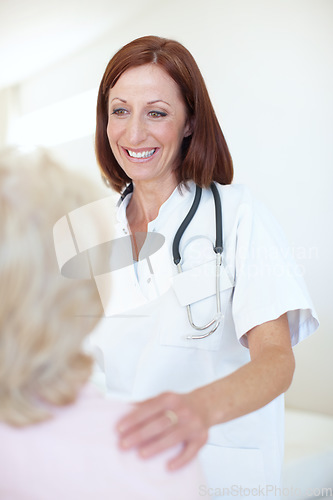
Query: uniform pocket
[232, 472]
[198, 283]
[197, 287]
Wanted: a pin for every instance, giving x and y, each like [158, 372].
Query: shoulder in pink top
[75, 456]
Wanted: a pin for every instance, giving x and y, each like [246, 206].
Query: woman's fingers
[164, 442]
[188, 452]
[144, 431]
[163, 422]
[148, 412]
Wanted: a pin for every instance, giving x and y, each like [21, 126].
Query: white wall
[268, 67]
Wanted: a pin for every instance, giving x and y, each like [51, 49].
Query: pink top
[74, 456]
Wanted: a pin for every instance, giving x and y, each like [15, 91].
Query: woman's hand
[163, 422]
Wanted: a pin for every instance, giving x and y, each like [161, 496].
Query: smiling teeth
[142, 154]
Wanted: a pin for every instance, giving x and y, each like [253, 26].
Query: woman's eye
[156, 114]
[119, 112]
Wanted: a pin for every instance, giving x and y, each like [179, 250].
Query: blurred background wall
[268, 68]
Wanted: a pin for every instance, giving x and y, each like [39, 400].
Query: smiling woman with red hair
[204, 155]
[219, 391]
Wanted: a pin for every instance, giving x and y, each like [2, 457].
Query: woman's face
[147, 123]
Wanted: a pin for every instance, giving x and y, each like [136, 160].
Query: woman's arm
[268, 374]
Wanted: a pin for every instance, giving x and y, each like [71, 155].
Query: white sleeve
[268, 281]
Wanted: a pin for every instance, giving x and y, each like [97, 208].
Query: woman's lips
[142, 154]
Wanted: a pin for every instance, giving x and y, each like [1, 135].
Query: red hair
[204, 154]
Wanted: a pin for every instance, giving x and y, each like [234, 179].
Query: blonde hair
[41, 313]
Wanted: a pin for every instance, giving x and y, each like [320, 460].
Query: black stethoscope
[218, 249]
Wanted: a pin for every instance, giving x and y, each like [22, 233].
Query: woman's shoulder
[236, 195]
[235, 189]
[240, 204]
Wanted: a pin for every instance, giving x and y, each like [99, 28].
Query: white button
[148, 280]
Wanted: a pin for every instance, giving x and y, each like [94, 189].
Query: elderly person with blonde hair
[57, 431]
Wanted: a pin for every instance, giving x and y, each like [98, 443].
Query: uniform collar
[122, 206]
[177, 196]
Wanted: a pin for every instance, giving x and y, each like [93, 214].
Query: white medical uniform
[142, 343]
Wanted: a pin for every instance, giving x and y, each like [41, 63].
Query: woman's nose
[136, 131]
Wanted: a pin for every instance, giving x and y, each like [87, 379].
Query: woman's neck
[146, 202]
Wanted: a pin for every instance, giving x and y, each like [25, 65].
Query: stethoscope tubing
[218, 249]
[184, 224]
[218, 220]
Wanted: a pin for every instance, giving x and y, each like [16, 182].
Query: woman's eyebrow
[158, 100]
[149, 102]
